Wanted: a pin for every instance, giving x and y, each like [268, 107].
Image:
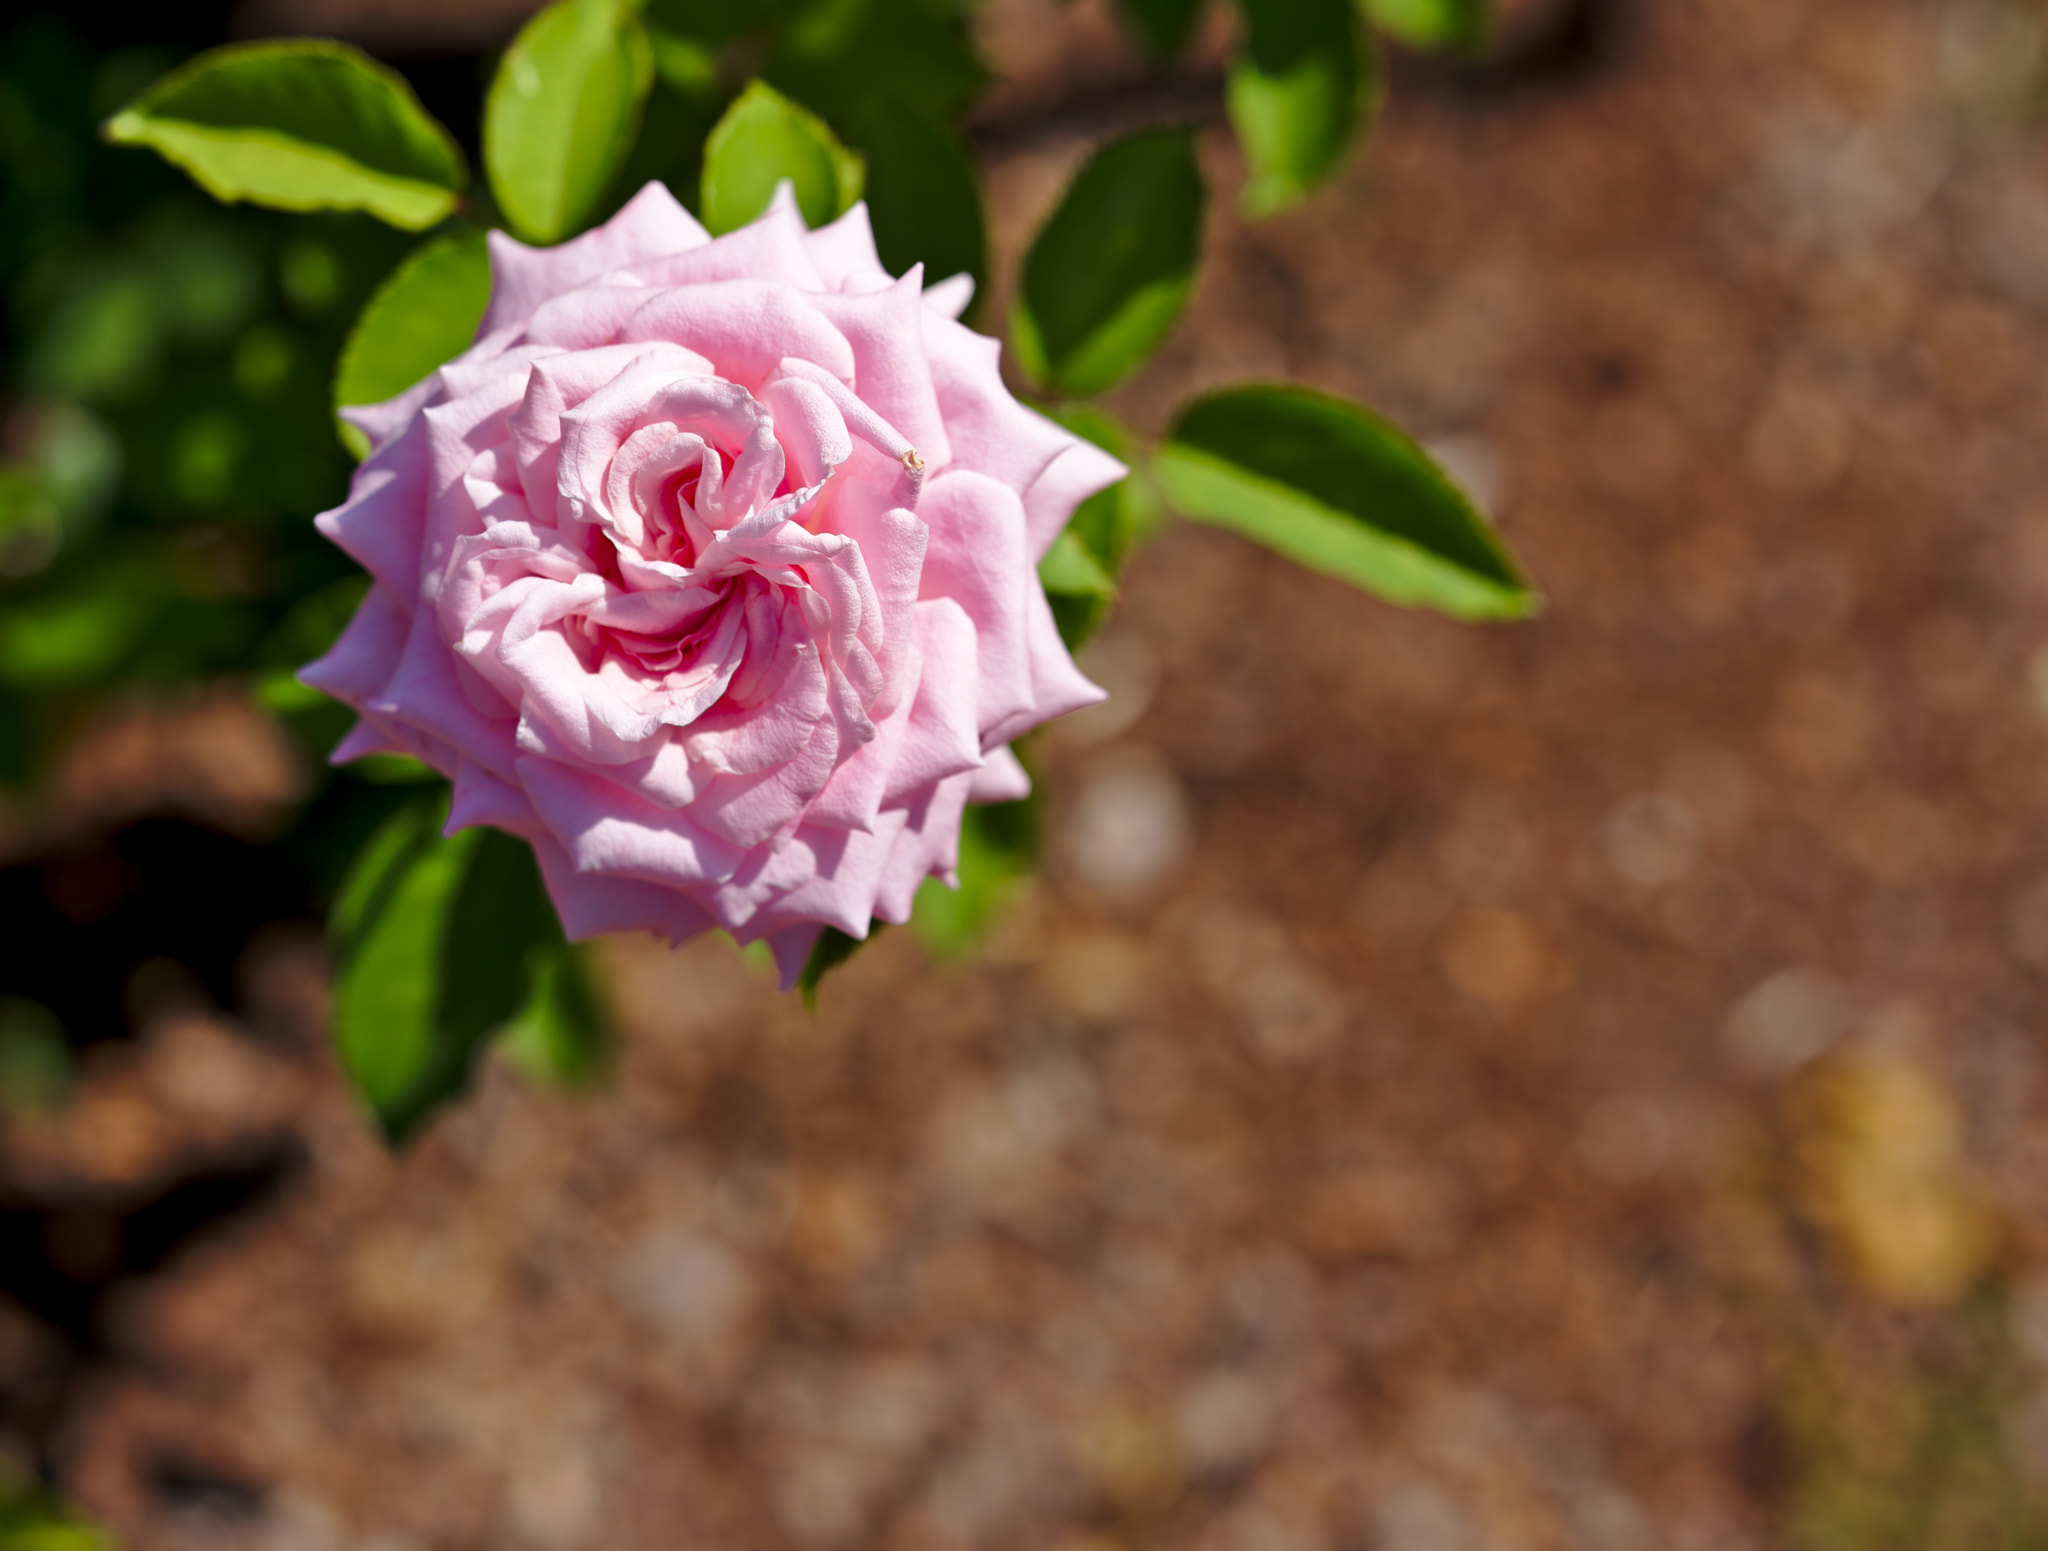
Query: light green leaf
[560, 1036]
[1068, 568]
[1109, 274]
[562, 113]
[300, 125]
[434, 935]
[424, 314]
[1432, 24]
[1294, 95]
[1336, 488]
[764, 138]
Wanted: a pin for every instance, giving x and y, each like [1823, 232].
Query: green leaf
[924, 199]
[1110, 272]
[998, 851]
[425, 313]
[1163, 26]
[560, 1036]
[300, 125]
[841, 55]
[832, 949]
[764, 138]
[562, 113]
[1336, 488]
[1070, 569]
[1432, 24]
[1294, 96]
[434, 936]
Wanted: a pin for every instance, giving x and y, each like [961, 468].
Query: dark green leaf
[559, 1037]
[1294, 94]
[435, 935]
[832, 949]
[1110, 272]
[1163, 26]
[1432, 24]
[300, 125]
[764, 138]
[562, 113]
[1336, 488]
[998, 851]
[842, 55]
[924, 199]
[424, 314]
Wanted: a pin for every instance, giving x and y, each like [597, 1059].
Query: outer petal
[1067, 481]
[1002, 778]
[845, 250]
[650, 225]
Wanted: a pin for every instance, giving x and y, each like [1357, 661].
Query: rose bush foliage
[710, 570]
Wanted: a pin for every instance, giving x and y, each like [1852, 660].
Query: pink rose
[710, 570]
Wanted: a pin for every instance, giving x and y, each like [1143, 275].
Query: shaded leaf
[300, 125]
[998, 851]
[1163, 26]
[560, 1036]
[1432, 24]
[434, 935]
[842, 56]
[764, 138]
[1295, 93]
[1110, 272]
[563, 112]
[1336, 488]
[924, 198]
[832, 949]
[424, 314]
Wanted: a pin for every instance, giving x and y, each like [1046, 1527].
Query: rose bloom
[710, 570]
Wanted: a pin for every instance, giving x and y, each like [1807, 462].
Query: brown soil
[1576, 1085]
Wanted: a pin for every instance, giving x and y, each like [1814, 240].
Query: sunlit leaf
[1432, 24]
[1295, 93]
[764, 138]
[423, 315]
[1110, 272]
[562, 113]
[1069, 568]
[300, 124]
[434, 936]
[1336, 488]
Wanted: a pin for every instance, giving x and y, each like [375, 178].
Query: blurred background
[1570, 1085]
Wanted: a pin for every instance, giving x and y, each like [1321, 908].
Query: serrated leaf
[1163, 26]
[1334, 487]
[1432, 24]
[563, 112]
[1295, 92]
[300, 125]
[424, 314]
[763, 139]
[434, 936]
[832, 949]
[559, 1036]
[1110, 272]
